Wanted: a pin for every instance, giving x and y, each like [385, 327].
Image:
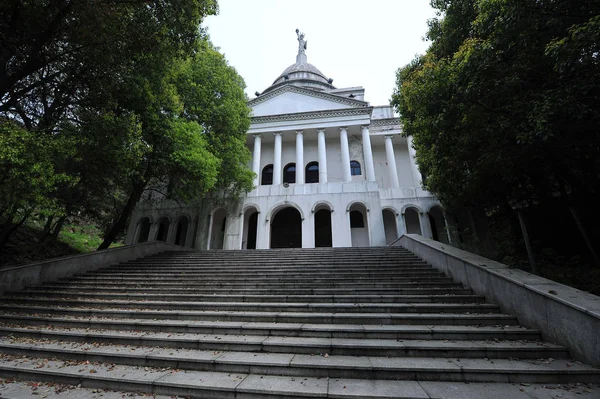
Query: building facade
[331, 171]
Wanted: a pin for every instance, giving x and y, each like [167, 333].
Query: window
[267, 175]
[312, 172]
[355, 168]
[356, 219]
[289, 173]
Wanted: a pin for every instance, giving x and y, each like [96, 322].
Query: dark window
[267, 175]
[355, 168]
[356, 219]
[289, 173]
[312, 172]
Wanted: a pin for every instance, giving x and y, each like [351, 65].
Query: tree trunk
[534, 268]
[58, 227]
[121, 223]
[585, 235]
[46, 230]
[10, 227]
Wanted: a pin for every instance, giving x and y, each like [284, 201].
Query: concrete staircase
[343, 323]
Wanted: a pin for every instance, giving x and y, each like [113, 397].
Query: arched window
[267, 175]
[289, 173]
[355, 168]
[312, 172]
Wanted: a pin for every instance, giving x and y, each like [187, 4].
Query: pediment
[293, 99]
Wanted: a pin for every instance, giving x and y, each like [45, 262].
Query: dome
[302, 73]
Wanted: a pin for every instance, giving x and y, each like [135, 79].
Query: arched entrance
[250, 229]
[144, 230]
[323, 237]
[182, 231]
[286, 229]
[163, 230]
[438, 224]
[359, 227]
[411, 218]
[389, 225]
[217, 235]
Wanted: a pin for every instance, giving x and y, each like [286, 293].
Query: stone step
[320, 366]
[278, 317]
[438, 332]
[305, 345]
[433, 290]
[298, 307]
[253, 273]
[220, 385]
[152, 296]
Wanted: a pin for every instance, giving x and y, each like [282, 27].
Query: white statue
[301, 42]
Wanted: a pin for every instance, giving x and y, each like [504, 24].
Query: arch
[323, 232]
[281, 206]
[390, 226]
[359, 224]
[321, 205]
[405, 207]
[354, 204]
[437, 220]
[217, 230]
[143, 227]
[434, 205]
[311, 173]
[162, 232]
[355, 168]
[286, 228]
[181, 230]
[289, 173]
[412, 220]
[266, 177]
[251, 205]
[250, 227]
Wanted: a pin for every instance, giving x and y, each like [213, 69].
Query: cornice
[313, 115]
[301, 90]
[386, 122]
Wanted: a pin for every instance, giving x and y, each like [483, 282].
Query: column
[345, 154]
[368, 153]
[256, 158]
[413, 164]
[391, 161]
[299, 157]
[277, 159]
[322, 156]
[447, 226]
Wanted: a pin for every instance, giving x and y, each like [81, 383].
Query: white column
[322, 156]
[277, 159]
[299, 157]
[256, 158]
[391, 160]
[413, 164]
[368, 153]
[345, 154]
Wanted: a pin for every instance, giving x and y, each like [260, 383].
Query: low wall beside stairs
[34, 274]
[562, 314]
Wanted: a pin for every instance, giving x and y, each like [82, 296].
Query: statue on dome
[301, 42]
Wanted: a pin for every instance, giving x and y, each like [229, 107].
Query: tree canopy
[504, 106]
[118, 97]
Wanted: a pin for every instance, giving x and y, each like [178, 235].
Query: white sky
[357, 43]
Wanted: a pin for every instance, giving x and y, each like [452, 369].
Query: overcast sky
[356, 43]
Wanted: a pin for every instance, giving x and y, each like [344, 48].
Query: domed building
[331, 171]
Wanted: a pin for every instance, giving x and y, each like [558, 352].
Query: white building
[332, 170]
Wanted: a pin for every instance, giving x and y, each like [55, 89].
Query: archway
[359, 227]
[144, 229]
[250, 229]
[323, 236]
[286, 229]
[411, 218]
[438, 224]
[182, 231]
[217, 235]
[389, 226]
[163, 229]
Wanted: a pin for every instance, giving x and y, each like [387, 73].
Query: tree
[502, 107]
